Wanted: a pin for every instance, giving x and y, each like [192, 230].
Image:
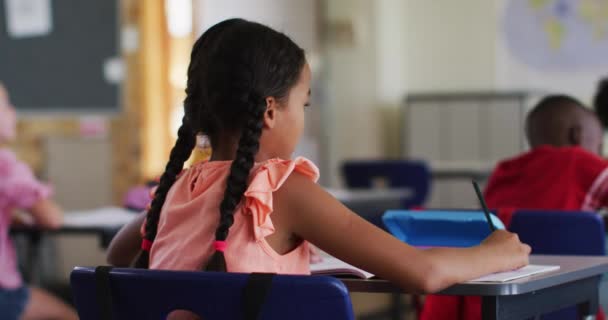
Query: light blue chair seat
[438, 228]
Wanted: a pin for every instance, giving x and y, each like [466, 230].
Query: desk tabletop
[86, 221]
[371, 195]
[572, 268]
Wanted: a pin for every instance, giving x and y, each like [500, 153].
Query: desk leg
[489, 308]
[396, 306]
[34, 239]
[588, 309]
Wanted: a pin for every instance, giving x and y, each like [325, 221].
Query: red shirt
[565, 178]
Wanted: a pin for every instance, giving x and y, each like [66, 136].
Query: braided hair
[235, 66]
[186, 140]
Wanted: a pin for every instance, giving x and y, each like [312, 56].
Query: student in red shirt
[563, 170]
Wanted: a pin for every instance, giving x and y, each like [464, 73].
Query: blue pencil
[484, 206]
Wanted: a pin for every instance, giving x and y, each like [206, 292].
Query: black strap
[255, 293]
[104, 294]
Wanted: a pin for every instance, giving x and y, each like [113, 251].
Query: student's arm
[316, 216]
[126, 244]
[46, 214]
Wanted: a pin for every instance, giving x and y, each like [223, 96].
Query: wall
[456, 45]
[294, 17]
[375, 52]
[450, 45]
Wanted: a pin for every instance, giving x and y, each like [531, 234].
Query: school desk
[102, 222]
[576, 283]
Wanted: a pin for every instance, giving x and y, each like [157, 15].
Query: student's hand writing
[506, 250]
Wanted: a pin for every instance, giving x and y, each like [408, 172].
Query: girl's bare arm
[126, 244]
[47, 214]
[316, 216]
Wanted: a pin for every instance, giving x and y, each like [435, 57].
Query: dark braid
[186, 140]
[239, 173]
[179, 154]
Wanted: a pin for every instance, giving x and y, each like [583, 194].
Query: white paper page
[28, 18]
[516, 274]
[331, 263]
[102, 217]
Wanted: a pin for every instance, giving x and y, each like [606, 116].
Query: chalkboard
[63, 71]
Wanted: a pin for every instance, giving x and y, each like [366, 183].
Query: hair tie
[146, 245]
[220, 245]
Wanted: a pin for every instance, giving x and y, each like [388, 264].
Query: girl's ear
[270, 115]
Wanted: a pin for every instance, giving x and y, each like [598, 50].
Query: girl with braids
[252, 208]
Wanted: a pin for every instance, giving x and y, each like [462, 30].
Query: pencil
[484, 206]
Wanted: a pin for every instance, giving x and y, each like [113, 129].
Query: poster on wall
[28, 18]
[552, 45]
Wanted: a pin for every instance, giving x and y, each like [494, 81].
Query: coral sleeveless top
[190, 216]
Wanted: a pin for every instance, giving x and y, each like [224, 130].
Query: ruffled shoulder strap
[266, 179]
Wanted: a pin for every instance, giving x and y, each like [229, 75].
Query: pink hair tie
[146, 245]
[220, 245]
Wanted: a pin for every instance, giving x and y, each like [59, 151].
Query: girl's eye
[307, 105]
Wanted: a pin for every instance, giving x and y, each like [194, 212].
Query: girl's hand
[506, 249]
[22, 219]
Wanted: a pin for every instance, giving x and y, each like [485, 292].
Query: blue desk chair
[152, 294]
[414, 175]
[562, 233]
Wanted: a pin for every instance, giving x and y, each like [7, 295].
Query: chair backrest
[563, 233]
[414, 175]
[439, 228]
[560, 232]
[153, 294]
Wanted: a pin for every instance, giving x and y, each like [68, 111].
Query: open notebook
[526, 271]
[335, 267]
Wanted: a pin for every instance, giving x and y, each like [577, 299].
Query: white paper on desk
[526, 271]
[28, 18]
[101, 217]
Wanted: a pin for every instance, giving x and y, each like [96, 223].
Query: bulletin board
[61, 56]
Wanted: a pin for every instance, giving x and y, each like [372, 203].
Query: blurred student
[563, 170]
[19, 189]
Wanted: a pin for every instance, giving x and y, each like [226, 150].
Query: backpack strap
[255, 294]
[104, 294]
